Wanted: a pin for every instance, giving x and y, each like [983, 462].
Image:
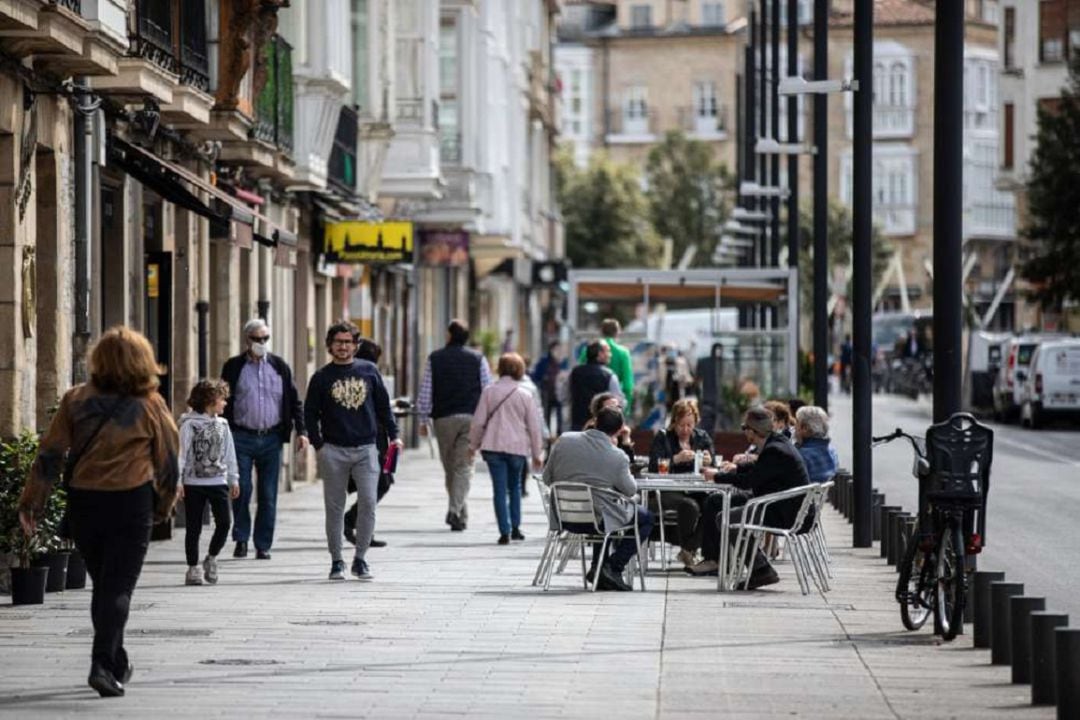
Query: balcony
[56, 36]
[274, 104]
[449, 146]
[639, 126]
[341, 170]
[893, 122]
[991, 220]
[151, 69]
[708, 122]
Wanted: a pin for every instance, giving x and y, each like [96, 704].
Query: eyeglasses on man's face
[343, 341]
[259, 338]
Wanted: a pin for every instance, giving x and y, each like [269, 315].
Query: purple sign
[444, 248]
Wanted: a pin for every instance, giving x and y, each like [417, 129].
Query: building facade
[1035, 43]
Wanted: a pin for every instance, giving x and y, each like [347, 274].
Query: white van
[1052, 385]
[1016, 355]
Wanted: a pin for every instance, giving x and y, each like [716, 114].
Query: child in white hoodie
[208, 474]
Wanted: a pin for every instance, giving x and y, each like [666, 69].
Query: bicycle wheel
[915, 588]
[949, 605]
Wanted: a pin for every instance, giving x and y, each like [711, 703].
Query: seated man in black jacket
[779, 467]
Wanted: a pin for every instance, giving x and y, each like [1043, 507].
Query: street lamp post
[821, 207]
[862, 279]
[948, 205]
[774, 107]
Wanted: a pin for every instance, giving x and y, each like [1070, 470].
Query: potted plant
[55, 552]
[16, 549]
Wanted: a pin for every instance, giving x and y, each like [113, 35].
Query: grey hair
[254, 324]
[813, 420]
[760, 420]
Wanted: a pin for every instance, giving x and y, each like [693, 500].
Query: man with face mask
[263, 410]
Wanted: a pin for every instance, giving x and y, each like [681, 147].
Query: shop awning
[180, 186]
[675, 292]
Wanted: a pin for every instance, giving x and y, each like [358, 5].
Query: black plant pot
[76, 572]
[57, 562]
[28, 585]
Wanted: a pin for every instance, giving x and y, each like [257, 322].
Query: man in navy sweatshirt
[346, 401]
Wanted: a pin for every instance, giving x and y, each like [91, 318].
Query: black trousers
[195, 499]
[710, 521]
[687, 507]
[112, 531]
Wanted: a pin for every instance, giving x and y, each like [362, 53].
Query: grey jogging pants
[336, 464]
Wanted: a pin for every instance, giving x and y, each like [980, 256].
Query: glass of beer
[662, 466]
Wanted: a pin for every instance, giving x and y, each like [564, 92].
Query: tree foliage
[686, 194]
[841, 237]
[605, 214]
[1054, 199]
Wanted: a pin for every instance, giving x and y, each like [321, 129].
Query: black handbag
[63, 529]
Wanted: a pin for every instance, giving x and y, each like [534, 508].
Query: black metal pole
[774, 109]
[793, 134]
[948, 205]
[861, 264]
[202, 308]
[763, 128]
[821, 208]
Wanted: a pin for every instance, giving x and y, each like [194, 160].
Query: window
[712, 14]
[894, 91]
[635, 111]
[1009, 49]
[409, 56]
[705, 99]
[641, 16]
[1009, 132]
[893, 189]
[360, 50]
[898, 95]
[1053, 21]
[575, 109]
[449, 130]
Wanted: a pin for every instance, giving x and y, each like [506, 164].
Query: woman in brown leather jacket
[124, 480]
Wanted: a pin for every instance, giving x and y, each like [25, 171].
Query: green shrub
[16, 458]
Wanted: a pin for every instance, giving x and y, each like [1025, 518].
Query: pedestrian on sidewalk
[208, 475]
[371, 351]
[591, 457]
[506, 430]
[546, 375]
[450, 389]
[346, 403]
[120, 444]
[589, 380]
[620, 361]
[263, 410]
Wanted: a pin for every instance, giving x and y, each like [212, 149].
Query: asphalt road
[1033, 520]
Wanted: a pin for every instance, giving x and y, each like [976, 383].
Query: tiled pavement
[451, 627]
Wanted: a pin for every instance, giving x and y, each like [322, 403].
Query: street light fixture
[746, 215]
[752, 189]
[768, 146]
[732, 241]
[801, 86]
[734, 226]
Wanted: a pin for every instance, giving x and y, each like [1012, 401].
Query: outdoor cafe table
[691, 482]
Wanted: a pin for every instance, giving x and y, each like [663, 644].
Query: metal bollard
[1067, 650]
[849, 498]
[886, 530]
[845, 497]
[877, 499]
[1000, 621]
[1020, 609]
[908, 535]
[1044, 656]
[896, 542]
[981, 601]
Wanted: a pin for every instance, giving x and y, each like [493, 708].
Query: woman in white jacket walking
[506, 431]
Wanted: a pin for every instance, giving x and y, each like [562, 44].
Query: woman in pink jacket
[506, 431]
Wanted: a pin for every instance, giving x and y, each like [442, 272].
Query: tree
[686, 194]
[605, 214]
[1054, 199]
[841, 238]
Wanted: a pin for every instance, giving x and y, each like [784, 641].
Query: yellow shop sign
[357, 241]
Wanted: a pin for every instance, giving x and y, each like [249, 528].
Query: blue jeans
[506, 472]
[263, 452]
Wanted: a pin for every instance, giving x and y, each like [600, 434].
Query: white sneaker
[194, 576]
[210, 569]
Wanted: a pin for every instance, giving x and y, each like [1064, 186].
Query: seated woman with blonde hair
[677, 446]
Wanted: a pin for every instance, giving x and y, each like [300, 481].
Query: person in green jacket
[620, 363]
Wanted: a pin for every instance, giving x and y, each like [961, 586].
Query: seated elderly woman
[812, 439]
[677, 446]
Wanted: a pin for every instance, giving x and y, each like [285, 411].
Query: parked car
[1017, 353]
[1051, 386]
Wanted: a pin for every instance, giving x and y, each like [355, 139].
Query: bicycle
[952, 467]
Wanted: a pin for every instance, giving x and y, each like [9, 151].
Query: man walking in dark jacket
[778, 467]
[346, 403]
[263, 410]
[449, 392]
[589, 380]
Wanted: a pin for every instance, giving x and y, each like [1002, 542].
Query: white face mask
[260, 350]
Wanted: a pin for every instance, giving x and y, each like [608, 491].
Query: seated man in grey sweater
[591, 457]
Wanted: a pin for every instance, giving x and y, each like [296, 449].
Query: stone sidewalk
[451, 627]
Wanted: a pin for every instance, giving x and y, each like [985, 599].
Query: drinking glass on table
[662, 466]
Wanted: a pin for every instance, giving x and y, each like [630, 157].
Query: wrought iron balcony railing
[154, 34]
[274, 105]
[194, 56]
[74, 6]
[341, 170]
